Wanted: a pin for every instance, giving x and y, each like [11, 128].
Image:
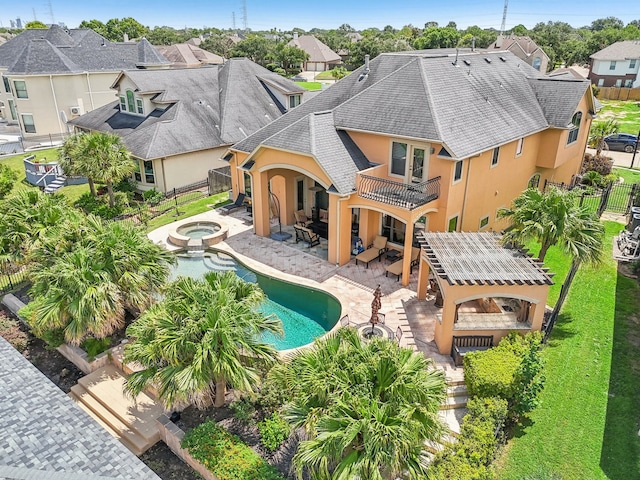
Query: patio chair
[373, 251]
[396, 267]
[344, 321]
[398, 335]
[302, 219]
[239, 202]
[303, 234]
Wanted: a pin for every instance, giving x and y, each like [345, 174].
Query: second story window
[519, 147]
[21, 89]
[495, 157]
[294, 101]
[457, 173]
[575, 128]
[632, 63]
[139, 106]
[398, 158]
[29, 125]
[7, 85]
[123, 103]
[612, 65]
[131, 105]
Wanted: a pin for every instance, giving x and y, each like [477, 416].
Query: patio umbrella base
[281, 236]
[368, 332]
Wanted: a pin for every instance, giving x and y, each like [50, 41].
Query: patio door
[300, 193]
[418, 165]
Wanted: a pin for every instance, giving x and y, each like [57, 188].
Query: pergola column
[261, 204]
[423, 278]
[408, 251]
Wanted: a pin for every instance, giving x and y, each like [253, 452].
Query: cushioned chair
[303, 234]
[301, 218]
[239, 202]
[373, 251]
[396, 267]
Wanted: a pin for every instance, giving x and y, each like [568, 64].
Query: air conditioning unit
[75, 111]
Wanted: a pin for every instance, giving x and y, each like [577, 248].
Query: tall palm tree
[551, 218]
[599, 131]
[203, 336]
[368, 408]
[74, 160]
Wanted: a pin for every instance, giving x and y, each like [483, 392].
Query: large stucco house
[178, 123]
[524, 48]
[416, 141]
[321, 57]
[54, 75]
[617, 65]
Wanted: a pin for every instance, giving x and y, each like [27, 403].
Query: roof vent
[466, 62]
[487, 59]
[503, 59]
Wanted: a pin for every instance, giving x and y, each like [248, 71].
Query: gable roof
[56, 50]
[479, 102]
[209, 107]
[46, 435]
[524, 43]
[187, 54]
[625, 50]
[315, 135]
[318, 51]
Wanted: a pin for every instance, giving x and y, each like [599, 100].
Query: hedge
[225, 455]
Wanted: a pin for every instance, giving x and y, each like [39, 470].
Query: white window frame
[26, 93]
[24, 124]
[601, 82]
[123, 103]
[628, 83]
[574, 132]
[495, 157]
[455, 171]
[612, 65]
[294, 100]
[139, 106]
[632, 63]
[519, 146]
[406, 157]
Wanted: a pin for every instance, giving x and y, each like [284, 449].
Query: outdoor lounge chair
[396, 267]
[239, 202]
[303, 234]
[373, 251]
[302, 219]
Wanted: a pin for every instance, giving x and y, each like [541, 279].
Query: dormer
[131, 103]
[288, 93]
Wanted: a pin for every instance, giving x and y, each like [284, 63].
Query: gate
[618, 198]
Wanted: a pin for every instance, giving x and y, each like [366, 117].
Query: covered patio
[482, 287]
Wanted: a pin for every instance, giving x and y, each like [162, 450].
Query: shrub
[95, 346]
[601, 164]
[99, 206]
[491, 373]
[243, 411]
[53, 338]
[125, 185]
[273, 431]
[225, 455]
[152, 197]
[10, 331]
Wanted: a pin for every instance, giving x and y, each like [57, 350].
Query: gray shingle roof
[315, 135]
[318, 51]
[483, 101]
[59, 51]
[44, 432]
[625, 50]
[212, 106]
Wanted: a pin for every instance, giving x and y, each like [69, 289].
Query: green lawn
[190, 209]
[325, 75]
[626, 113]
[72, 192]
[629, 176]
[587, 424]
[310, 85]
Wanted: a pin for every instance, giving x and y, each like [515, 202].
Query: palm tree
[599, 131]
[113, 159]
[551, 218]
[368, 408]
[74, 160]
[203, 336]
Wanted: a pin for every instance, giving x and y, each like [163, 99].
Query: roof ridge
[312, 134]
[427, 92]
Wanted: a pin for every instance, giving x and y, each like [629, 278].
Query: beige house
[54, 75]
[321, 57]
[524, 48]
[178, 123]
[187, 55]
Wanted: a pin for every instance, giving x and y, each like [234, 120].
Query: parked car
[624, 142]
[298, 78]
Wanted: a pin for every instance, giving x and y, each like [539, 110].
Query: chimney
[499, 41]
[366, 63]
[295, 35]
[473, 44]
[125, 37]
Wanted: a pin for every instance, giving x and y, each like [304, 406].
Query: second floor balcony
[404, 195]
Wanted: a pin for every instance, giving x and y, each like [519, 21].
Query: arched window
[534, 181]
[575, 128]
[537, 61]
[131, 103]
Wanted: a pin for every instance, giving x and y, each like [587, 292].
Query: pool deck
[351, 284]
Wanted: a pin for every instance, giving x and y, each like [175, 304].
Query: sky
[287, 14]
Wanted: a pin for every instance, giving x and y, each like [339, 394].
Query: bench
[303, 234]
[472, 343]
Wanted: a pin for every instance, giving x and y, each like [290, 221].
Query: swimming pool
[306, 313]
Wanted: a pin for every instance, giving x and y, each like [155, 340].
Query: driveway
[620, 159]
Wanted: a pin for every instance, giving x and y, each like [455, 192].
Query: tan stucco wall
[50, 95]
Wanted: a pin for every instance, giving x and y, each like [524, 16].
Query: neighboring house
[321, 57]
[45, 435]
[416, 141]
[186, 55]
[523, 48]
[52, 75]
[618, 65]
[178, 123]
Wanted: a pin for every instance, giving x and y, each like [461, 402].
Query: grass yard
[626, 113]
[193, 208]
[587, 424]
[628, 175]
[310, 85]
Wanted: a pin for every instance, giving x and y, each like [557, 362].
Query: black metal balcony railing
[407, 196]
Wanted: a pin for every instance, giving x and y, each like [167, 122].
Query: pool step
[219, 264]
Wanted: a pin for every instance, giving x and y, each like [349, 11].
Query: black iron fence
[11, 277]
[614, 197]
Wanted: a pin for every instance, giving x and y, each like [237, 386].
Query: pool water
[198, 231]
[305, 313]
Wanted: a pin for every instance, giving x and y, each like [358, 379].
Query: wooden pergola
[469, 267]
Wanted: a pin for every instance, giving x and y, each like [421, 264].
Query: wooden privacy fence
[619, 93]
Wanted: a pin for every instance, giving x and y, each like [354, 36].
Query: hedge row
[225, 455]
